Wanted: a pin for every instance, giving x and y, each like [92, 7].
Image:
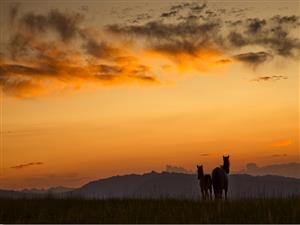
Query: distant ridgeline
[287, 170]
[172, 185]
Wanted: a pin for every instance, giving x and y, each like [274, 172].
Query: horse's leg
[203, 195]
[216, 193]
[225, 193]
[221, 193]
[210, 193]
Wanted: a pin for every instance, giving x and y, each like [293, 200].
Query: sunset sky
[98, 88]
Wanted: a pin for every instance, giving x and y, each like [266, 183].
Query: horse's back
[219, 178]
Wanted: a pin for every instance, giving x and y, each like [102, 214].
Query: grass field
[149, 211]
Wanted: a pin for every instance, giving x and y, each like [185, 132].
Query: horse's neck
[222, 167]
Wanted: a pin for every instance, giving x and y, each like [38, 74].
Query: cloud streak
[22, 166]
[270, 78]
[253, 58]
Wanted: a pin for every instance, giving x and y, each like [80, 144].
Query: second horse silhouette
[205, 183]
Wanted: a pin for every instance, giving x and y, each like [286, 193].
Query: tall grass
[149, 211]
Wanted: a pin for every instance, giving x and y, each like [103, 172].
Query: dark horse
[220, 178]
[205, 183]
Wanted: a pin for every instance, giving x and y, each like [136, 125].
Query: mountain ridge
[171, 185]
[180, 185]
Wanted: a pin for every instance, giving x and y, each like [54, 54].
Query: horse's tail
[217, 182]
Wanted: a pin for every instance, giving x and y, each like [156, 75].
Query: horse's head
[200, 171]
[226, 163]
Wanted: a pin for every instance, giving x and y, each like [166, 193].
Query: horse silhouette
[220, 178]
[205, 183]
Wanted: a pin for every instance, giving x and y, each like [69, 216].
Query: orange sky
[130, 87]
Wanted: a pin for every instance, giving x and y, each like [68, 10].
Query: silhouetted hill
[35, 193]
[174, 185]
[178, 185]
[287, 170]
[18, 194]
[52, 190]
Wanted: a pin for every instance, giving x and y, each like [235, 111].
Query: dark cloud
[279, 155]
[99, 49]
[237, 39]
[234, 23]
[169, 14]
[146, 78]
[186, 12]
[171, 38]
[179, 6]
[21, 166]
[286, 19]
[19, 87]
[19, 80]
[197, 8]
[37, 56]
[66, 25]
[24, 81]
[190, 18]
[210, 14]
[16, 69]
[224, 61]
[255, 25]
[35, 22]
[281, 43]
[191, 34]
[253, 58]
[13, 12]
[141, 17]
[270, 78]
[109, 70]
[18, 45]
[273, 34]
[141, 72]
[237, 11]
[176, 47]
[35, 59]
